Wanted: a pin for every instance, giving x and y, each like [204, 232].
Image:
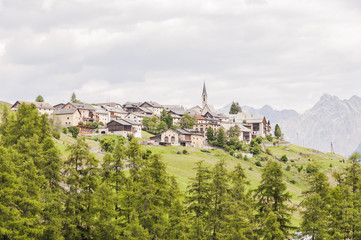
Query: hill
[181, 163]
[4, 104]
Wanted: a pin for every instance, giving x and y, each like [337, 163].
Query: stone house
[66, 117]
[154, 107]
[87, 112]
[180, 137]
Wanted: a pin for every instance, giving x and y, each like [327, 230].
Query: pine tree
[197, 199]
[241, 219]
[219, 199]
[82, 180]
[316, 202]
[272, 196]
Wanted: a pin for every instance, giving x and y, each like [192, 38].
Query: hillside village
[129, 119]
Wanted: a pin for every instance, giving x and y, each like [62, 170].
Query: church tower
[204, 95]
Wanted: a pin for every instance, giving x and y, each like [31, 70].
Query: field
[181, 162]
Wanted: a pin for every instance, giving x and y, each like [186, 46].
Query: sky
[283, 53]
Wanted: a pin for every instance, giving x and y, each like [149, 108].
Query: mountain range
[330, 121]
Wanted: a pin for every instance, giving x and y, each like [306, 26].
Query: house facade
[180, 137]
[124, 128]
[87, 112]
[66, 117]
[43, 107]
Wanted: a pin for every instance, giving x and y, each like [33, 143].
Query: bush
[331, 165]
[231, 152]
[256, 149]
[185, 151]
[204, 150]
[74, 131]
[284, 159]
[299, 169]
[178, 152]
[268, 152]
[293, 181]
[250, 168]
[258, 164]
[269, 138]
[56, 134]
[245, 158]
[65, 130]
[288, 168]
[80, 123]
[259, 140]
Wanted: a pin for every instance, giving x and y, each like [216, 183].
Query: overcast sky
[284, 53]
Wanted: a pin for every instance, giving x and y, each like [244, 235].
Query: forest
[130, 195]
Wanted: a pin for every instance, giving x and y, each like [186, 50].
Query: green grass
[182, 165]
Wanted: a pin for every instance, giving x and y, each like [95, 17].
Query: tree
[284, 159]
[221, 137]
[197, 200]
[39, 99]
[74, 131]
[210, 134]
[316, 203]
[235, 108]
[278, 132]
[234, 131]
[73, 98]
[272, 196]
[187, 121]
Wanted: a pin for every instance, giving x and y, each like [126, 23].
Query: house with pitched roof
[154, 107]
[124, 127]
[43, 107]
[66, 117]
[87, 112]
[180, 137]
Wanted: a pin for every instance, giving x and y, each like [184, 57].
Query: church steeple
[204, 95]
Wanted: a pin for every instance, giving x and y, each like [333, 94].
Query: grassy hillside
[181, 163]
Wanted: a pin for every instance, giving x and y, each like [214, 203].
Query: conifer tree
[210, 134]
[235, 108]
[315, 220]
[272, 196]
[198, 204]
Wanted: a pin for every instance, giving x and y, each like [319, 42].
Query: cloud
[284, 53]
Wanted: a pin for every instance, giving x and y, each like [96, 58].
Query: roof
[64, 111]
[174, 108]
[100, 110]
[83, 106]
[60, 105]
[204, 89]
[38, 105]
[110, 104]
[124, 122]
[146, 110]
[198, 117]
[153, 104]
[131, 104]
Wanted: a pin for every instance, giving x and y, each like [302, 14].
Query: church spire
[204, 95]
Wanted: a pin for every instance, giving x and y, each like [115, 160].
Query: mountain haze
[330, 120]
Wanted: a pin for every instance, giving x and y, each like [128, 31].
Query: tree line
[130, 195]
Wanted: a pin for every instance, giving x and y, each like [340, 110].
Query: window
[172, 139]
[166, 139]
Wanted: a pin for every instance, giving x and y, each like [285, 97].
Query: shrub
[65, 130]
[331, 165]
[231, 152]
[284, 159]
[178, 152]
[293, 181]
[299, 169]
[185, 151]
[269, 138]
[245, 158]
[258, 164]
[269, 152]
[206, 151]
[259, 140]
[288, 168]
[250, 168]
[56, 134]
[256, 149]
[74, 131]
[80, 123]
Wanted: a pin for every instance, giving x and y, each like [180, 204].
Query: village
[129, 119]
